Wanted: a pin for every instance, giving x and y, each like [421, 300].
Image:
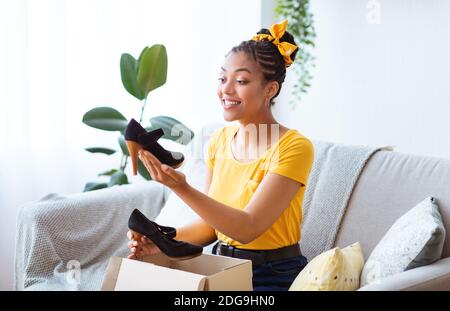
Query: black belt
[258, 257]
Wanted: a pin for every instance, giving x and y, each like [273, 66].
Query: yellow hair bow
[276, 32]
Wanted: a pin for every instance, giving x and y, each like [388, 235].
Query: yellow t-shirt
[234, 182]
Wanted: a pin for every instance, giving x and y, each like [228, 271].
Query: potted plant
[139, 77]
[301, 26]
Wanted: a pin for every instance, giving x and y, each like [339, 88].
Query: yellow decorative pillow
[336, 269]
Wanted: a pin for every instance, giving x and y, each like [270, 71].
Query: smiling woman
[253, 199]
[260, 70]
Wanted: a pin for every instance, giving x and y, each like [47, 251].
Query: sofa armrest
[81, 231]
[435, 276]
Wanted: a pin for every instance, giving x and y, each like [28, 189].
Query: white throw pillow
[175, 212]
[415, 239]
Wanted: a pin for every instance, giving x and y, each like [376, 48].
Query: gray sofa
[390, 184]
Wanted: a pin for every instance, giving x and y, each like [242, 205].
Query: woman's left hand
[161, 172]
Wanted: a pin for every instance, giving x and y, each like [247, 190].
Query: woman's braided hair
[266, 54]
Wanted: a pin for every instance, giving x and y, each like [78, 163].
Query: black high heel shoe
[170, 232]
[148, 142]
[138, 138]
[177, 250]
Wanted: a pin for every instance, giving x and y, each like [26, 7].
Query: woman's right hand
[140, 245]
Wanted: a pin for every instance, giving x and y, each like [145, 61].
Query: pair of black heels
[163, 237]
[138, 138]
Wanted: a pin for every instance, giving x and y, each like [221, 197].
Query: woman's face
[241, 88]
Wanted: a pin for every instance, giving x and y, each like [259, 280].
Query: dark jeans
[277, 275]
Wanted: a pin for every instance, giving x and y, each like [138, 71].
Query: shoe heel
[133, 149]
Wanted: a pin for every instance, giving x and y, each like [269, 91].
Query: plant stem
[125, 164]
[142, 110]
[122, 166]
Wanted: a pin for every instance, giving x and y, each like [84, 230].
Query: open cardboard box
[159, 273]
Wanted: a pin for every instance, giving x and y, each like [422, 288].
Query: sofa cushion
[415, 239]
[336, 269]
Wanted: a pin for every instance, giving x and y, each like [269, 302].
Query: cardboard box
[160, 273]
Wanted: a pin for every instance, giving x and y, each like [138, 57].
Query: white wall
[60, 58]
[379, 84]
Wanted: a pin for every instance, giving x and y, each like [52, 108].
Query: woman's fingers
[140, 250]
[142, 241]
[169, 171]
[157, 172]
[152, 158]
[133, 244]
[133, 235]
[138, 245]
[148, 165]
[158, 167]
[153, 162]
[163, 171]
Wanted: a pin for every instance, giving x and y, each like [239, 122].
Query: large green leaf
[107, 151]
[123, 145]
[173, 129]
[128, 71]
[90, 186]
[118, 178]
[143, 170]
[152, 71]
[140, 56]
[105, 118]
[108, 173]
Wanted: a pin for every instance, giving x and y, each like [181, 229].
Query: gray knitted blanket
[65, 242]
[334, 173]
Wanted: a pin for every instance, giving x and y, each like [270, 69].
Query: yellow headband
[276, 32]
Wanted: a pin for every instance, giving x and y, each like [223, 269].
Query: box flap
[235, 278]
[208, 264]
[138, 275]
[159, 259]
[109, 281]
